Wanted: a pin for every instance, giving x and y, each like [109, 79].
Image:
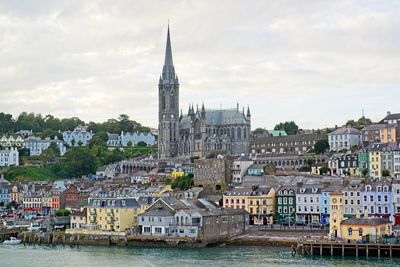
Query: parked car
[300, 223]
[316, 225]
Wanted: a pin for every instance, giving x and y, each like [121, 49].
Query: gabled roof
[365, 221]
[394, 116]
[345, 130]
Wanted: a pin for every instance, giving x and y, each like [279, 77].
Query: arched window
[244, 133]
[162, 100]
[232, 133]
[360, 232]
[239, 133]
[172, 100]
[350, 231]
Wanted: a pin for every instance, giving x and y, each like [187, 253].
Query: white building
[308, 203]
[36, 145]
[124, 139]
[9, 157]
[239, 168]
[396, 199]
[80, 136]
[344, 138]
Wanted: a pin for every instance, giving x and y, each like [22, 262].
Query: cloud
[316, 62]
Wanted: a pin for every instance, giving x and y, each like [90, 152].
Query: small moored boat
[12, 241]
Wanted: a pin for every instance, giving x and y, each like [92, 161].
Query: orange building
[389, 133]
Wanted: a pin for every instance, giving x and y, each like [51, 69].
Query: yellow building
[113, 214]
[260, 203]
[176, 174]
[367, 228]
[375, 163]
[388, 133]
[336, 213]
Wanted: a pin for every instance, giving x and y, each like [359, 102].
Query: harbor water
[60, 256]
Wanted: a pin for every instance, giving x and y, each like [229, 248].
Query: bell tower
[168, 109]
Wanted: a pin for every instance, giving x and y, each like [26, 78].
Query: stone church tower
[168, 110]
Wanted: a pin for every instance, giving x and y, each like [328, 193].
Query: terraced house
[285, 205]
[376, 199]
[259, 202]
[113, 214]
[308, 203]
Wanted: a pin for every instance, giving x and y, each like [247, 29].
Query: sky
[318, 63]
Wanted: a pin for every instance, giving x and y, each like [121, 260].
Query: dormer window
[379, 189]
[368, 188]
[314, 190]
[280, 192]
[385, 188]
[302, 190]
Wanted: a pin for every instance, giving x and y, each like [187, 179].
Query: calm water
[220, 256]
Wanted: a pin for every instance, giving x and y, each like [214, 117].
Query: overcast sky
[318, 63]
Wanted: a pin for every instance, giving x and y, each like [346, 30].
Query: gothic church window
[239, 133]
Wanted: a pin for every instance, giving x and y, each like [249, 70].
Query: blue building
[325, 201]
[5, 193]
[256, 169]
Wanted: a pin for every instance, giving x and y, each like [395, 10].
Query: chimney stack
[388, 112]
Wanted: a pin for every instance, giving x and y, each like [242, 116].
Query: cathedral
[201, 130]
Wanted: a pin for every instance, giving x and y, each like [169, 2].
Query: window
[279, 200]
[350, 231]
[146, 229]
[158, 230]
[360, 232]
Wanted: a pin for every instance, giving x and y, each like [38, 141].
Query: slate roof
[112, 137]
[345, 130]
[373, 127]
[394, 116]
[218, 117]
[365, 221]
[379, 147]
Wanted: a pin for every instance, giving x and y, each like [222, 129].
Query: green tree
[183, 182]
[1, 204]
[321, 146]
[129, 143]
[324, 170]
[48, 156]
[259, 131]
[99, 139]
[142, 144]
[364, 172]
[385, 173]
[290, 127]
[62, 212]
[79, 161]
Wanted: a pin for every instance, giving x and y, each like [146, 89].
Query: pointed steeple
[203, 111]
[168, 69]
[248, 112]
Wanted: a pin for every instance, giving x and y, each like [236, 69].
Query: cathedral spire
[168, 51]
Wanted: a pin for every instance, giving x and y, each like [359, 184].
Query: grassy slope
[30, 173]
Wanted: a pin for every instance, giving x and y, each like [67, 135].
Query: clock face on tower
[334, 200]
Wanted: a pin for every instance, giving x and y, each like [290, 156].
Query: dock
[326, 248]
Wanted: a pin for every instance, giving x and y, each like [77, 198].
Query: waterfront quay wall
[327, 248]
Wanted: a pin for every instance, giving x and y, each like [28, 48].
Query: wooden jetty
[327, 248]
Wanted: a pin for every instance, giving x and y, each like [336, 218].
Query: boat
[12, 241]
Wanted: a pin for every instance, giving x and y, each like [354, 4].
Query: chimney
[388, 112]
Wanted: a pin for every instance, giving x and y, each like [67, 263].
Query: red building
[71, 198]
[55, 202]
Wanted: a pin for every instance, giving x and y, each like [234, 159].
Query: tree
[183, 182]
[129, 143]
[79, 161]
[324, 170]
[1, 204]
[142, 143]
[259, 131]
[364, 172]
[351, 123]
[321, 146]
[385, 173]
[48, 156]
[62, 212]
[290, 127]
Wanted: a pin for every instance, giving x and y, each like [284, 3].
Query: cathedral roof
[218, 117]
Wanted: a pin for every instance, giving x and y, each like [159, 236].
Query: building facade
[344, 138]
[9, 157]
[80, 136]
